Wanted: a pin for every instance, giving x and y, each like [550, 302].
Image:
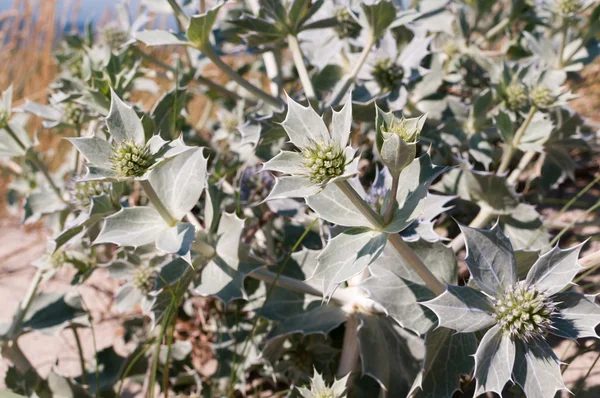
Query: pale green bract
[319, 389]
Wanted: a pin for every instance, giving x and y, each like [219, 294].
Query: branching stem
[301, 66]
[157, 203]
[510, 149]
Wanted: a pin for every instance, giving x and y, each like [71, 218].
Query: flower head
[347, 26]
[387, 74]
[568, 7]
[128, 154]
[516, 95]
[324, 157]
[542, 96]
[144, 278]
[81, 192]
[318, 388]
[516, 314]
[130, 159]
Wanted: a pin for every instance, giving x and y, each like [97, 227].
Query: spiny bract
[130, 159]
[324, 162]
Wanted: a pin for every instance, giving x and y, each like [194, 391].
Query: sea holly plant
[271, 186]
[516, 315]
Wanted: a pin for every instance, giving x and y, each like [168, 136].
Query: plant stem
[157, 203]
[301, 66]
[510, 149]
[168, 360]
[350, 348]
[359, 202]
[12, 134]
[182, 18]
[525, 160]
[339, 94]
[25, 305]
[575, 221]
[579, 195]
[33, 158]
[494, 30]
[81, 357]
[481, 219]
[396, 240]
[13, 353]
[208, 51]
[269, 58]
[389, 212]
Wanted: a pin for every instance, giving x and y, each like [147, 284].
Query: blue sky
[89, 8]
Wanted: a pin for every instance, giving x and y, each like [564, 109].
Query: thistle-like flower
[387, 74]
[318, 388]
[324, 157]
[81, 193]
[516, 95]
[517, 314]
[129, 155]
[144, 278]
[542, 96]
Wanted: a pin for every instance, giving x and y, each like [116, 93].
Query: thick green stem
[339, 94]
[182, 18]
[25, 305]
[523, 163]
[12, 134]
[301, 66]
[389, 212]
[510, 149]
[563, 44]
[395, 240]
[157, 203]
[208, 51]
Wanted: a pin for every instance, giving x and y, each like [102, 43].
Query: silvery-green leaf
[284, 303]
[41, 203]
[448, 356]
[177, 239]
[463, 309]
[6, 101]
[201, 26]
[128, 297]
[347, 255]
[342, 124]
[410, 209]
[179, 181]
[525, 228]
[331, 204]
[293, 187]
[389, 354]
[51, 312]
[99, 174]
[397, 287]
[8, 147]
[96, 150]
[43, 111]
[578, 315]
[537, 370]
[537, 133]
[420, 172]
[123, 123]
[378, 16]
[554, 270]
[161, 38]
[223, 277]
[490, 259]
[166, 112]
[286, 162]
[321, 319]
[504, 125]
[304, 126]
[423, 227]
[100, 207]
[135, 227]
[494, 361]
[396, 154]
[491, 189]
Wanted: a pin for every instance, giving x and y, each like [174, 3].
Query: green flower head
[323, 157]
[387, 74]
[568, 7]
[81, 192]
[516, 95]
[516, 315]
[130, 159]
[144, 278]
[542, 96]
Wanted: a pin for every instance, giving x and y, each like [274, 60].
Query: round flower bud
[130, 159]
[516, 96]
[387, 74]
[451, 49]
[567, 7]
[144, 278]
[57, 260]
[524, 313]
[80, 193]
[542, 96]
[324, 162]
[347, 26]
[114, 37]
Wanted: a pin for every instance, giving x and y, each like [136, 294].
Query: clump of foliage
[312, 210]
